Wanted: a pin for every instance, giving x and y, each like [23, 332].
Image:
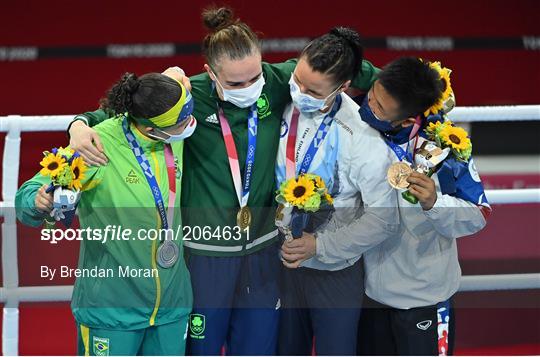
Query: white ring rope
[522, 195]
[11, 294]
[458, 114]
[495, 113]
[500, 282]
[468, 283]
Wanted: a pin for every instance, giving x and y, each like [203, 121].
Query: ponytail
[228, 37]
[338, 53]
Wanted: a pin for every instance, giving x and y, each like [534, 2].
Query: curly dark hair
[148, 96]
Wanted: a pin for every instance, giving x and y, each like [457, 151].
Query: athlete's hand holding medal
[416, 176]
[444, 139]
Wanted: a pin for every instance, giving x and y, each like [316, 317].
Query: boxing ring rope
[11, 294]
[495, 113]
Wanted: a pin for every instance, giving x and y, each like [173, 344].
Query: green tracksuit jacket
[118, 194]
[208, 195]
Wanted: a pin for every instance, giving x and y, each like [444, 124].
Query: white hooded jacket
[352, 160]
[419, 266]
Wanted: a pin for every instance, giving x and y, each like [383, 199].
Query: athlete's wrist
[77, 122]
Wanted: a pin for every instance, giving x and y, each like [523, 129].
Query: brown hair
[227, 36]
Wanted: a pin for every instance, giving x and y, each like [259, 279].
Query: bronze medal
[397, 175]
[243, 218]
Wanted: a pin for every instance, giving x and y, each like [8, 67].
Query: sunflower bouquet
[447, 135]
[443, 139]
[66, 169]
[304, 204]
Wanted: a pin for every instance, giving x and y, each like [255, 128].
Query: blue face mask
[371, 119]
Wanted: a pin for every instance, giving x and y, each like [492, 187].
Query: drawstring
[248, 269]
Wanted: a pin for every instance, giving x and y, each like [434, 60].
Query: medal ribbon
[242, 192]
[290, 164]
[165, 216]
[406, 154]
[322, 131]
[171, 173]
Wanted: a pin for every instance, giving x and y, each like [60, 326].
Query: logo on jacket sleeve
[197, 325]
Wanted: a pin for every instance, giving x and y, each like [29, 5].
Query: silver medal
[167, 254]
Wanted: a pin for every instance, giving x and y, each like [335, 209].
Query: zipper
[158, 285]
[379, 273]
[154, 247]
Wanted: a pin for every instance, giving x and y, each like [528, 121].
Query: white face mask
[304, 102]
[243, 97]
[170, 138]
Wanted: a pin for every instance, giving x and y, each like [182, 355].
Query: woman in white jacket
[330, 140]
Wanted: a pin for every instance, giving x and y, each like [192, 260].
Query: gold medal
[243, 218]
[397, 175]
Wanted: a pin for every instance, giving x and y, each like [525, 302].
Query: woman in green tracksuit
[235, 281]
[132, 296]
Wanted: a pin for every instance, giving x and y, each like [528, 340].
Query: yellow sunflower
[447, 86]
[329, 198]
[298, 192]
[444, 75]
[455, 137]
[78, 167]
[435, 108]
[52, 164]
[433, 127]
[319, 182]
